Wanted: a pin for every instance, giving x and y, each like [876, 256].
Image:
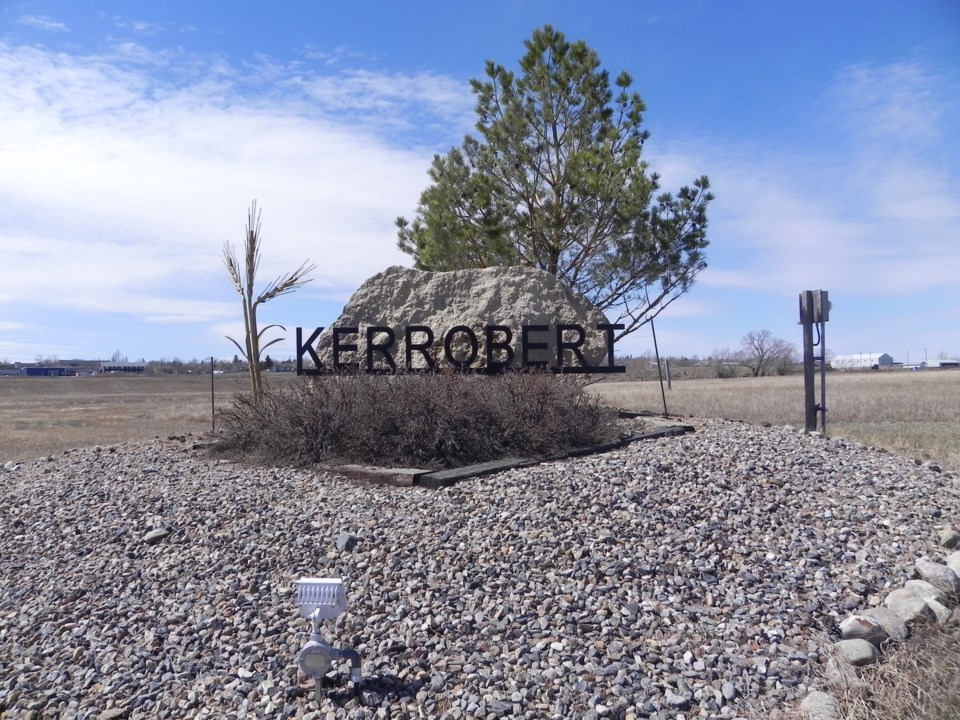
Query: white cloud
[42, 22]
[120, 188]
[141, 27]
[903, 102]
[875, 215]
[333, 56]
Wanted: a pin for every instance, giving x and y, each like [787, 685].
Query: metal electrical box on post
[814, 312]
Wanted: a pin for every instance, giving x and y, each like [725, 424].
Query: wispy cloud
[141, 27]
[121, 183]
[43, 23]
[876, 213]
[333, 56]
[903, 101]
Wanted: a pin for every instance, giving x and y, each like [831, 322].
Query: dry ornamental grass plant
[243, 284]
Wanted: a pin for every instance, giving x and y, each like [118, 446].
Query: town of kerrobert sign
[460, 347]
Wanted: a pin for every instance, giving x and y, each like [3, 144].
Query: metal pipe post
[809, 394]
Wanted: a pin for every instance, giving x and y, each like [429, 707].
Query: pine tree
[556, 181]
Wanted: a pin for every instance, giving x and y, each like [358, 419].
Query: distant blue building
[43, 371]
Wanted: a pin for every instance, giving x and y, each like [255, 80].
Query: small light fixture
[323, 599]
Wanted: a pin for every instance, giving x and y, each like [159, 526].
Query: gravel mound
[695, 576]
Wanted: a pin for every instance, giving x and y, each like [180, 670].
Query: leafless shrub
[419, 420]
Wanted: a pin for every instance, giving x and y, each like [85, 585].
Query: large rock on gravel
[923, 589]
[953, 562]
[910, 608]
[863, 628]
[512, 297]
[892, 623]
[820, 706]
[858, 652]
[940, 576]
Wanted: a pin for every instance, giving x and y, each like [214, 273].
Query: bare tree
[726, 363]
[765, 354]
[243, 283]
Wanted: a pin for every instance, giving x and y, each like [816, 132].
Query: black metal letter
[610, 330]
[338, 348]
[448, 351]
[383, 348]
[526, 346]
[494, 366]
[573, 346]
[308, 348]
[423, 348]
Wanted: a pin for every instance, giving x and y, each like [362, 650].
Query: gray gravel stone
[949, 538]
[702, 568]
[820, 706]
[865, 628]
[346, 542]
[858, 652]
[941, 611]
[940, 576]
[892, 623]
[923, 589]
[909, 607]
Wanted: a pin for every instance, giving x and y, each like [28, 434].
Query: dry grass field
[913, 413]
[43, 416]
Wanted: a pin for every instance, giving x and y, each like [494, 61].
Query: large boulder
[486, 310]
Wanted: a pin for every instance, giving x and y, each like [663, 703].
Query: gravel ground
[695, 576]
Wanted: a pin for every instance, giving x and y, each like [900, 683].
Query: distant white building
[122, 367]
[861, 361]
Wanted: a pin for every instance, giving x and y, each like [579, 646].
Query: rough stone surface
[941, 611]
[841, 676]
[708, 565]
[156, 535]
[508, 296]
[909, 607]
[953, 562]
[949, 538]
[892, 623]
[858, 652]
[346, 542]
[820, 706]
[923, 589]
[864, 628]
[940, 576]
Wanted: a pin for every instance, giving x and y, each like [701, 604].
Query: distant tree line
[163, 366]
[760, 354]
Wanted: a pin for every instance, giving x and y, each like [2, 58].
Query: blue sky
[133, 137]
